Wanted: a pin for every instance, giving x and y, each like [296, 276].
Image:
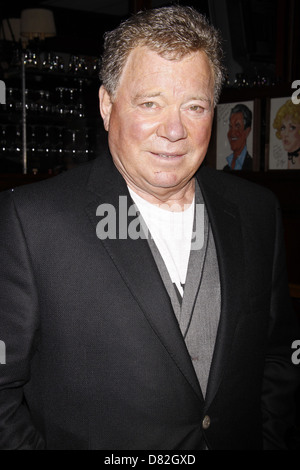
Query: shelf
[61, 109]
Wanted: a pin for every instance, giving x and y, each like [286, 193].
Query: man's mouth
[167, 156]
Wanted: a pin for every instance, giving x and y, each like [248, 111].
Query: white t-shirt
[172, 233]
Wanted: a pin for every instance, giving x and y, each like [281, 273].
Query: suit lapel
[135, 263]
[195, 269]
[225, 223]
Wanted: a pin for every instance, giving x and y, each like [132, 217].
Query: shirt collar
[240, 160]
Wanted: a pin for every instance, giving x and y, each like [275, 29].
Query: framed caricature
[283, 150]
[235, 142]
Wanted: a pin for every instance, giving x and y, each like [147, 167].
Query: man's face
[237, 134]
[160, 120]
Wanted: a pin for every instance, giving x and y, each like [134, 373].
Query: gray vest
[198, 311]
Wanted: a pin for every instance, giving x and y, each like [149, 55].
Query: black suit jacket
[94, 355]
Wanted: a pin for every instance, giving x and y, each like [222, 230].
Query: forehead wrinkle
[141, 95]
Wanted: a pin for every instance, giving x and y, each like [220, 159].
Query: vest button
[206, 422]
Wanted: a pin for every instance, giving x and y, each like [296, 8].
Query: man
[240, 123]
[113, 341]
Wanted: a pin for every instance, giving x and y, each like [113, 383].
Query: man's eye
[148, 105]
[196, 109]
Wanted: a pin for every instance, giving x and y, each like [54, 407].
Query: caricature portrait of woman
[287, 126]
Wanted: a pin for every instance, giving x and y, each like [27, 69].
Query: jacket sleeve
[281, 376]
[18, 330]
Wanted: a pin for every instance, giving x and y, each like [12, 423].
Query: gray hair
[246, 112]
[172, 32]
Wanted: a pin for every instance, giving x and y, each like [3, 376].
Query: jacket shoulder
[236, 188]
[63, 187]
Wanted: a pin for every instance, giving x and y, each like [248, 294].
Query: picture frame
[220, 150]
[283, 134]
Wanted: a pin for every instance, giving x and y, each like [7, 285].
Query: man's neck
[174, 201]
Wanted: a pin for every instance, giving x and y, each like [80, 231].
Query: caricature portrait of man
[240, 125]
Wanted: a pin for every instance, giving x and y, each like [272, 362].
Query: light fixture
[37, 23]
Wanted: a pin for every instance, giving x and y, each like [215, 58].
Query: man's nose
[171, 126]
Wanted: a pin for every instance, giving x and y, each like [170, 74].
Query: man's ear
[105, 105]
